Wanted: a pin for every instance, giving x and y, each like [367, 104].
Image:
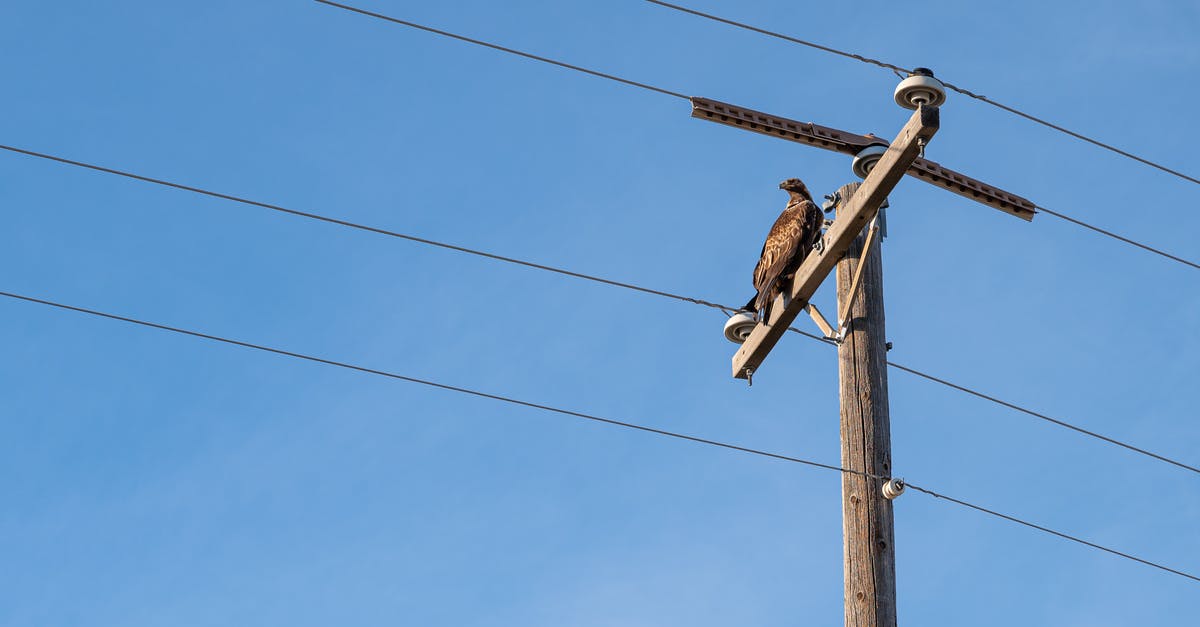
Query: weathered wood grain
[868, 552]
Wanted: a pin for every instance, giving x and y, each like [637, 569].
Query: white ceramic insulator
[919, 89]
[893, 488]
[739, 326]
[866, 159]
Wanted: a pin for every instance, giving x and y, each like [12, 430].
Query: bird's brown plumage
[788, 243]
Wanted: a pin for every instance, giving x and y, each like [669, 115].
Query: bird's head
[795, 186]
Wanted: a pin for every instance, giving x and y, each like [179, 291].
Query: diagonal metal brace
[856, 281]
[824, 325]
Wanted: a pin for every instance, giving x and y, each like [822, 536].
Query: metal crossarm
[851, 143]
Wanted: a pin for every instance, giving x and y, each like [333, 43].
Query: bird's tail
[752, 305]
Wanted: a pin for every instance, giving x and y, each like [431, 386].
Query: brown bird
[794, 234]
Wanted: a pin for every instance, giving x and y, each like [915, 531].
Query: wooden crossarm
[858, 210]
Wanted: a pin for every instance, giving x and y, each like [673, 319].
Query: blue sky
[155, 479]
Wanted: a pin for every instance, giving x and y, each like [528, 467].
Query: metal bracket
[856, 281]
[824, 325]
[831, 202]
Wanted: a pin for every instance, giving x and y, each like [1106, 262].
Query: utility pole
[868, 549]
[853, 247]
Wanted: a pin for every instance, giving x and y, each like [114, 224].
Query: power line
[763, 31]
[1121, 238]
[527, 55]
[1013, 406]
[1049, 531]
[424, 382]
[1041, 416]
[579, 275]
[511, 260]
[565, 412]
[359, 226]
[896, 68]
[679, 95]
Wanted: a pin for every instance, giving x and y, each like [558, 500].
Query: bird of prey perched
[794, 234]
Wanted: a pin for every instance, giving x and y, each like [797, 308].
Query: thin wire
[601, 280]
[896, 68]
[505, 49]
[852, 56]
[579, 275]
[1050, 531]
[1120, 238]
[1067, 131]
[676, 94]
[1012, 406]
[443, 386]
[1044, 417]
[763, 31]
[355, 225]
[565, 412]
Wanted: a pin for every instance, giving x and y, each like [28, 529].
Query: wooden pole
[868, 552]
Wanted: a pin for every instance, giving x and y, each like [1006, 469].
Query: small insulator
[739, 326]
[893, 488]
[866, 159]
[920, 88]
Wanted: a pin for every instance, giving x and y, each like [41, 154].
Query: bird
[796, 232]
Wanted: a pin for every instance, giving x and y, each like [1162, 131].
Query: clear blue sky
[154, 479]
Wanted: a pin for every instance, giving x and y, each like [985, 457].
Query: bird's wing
[814, 219]
[783, 242]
